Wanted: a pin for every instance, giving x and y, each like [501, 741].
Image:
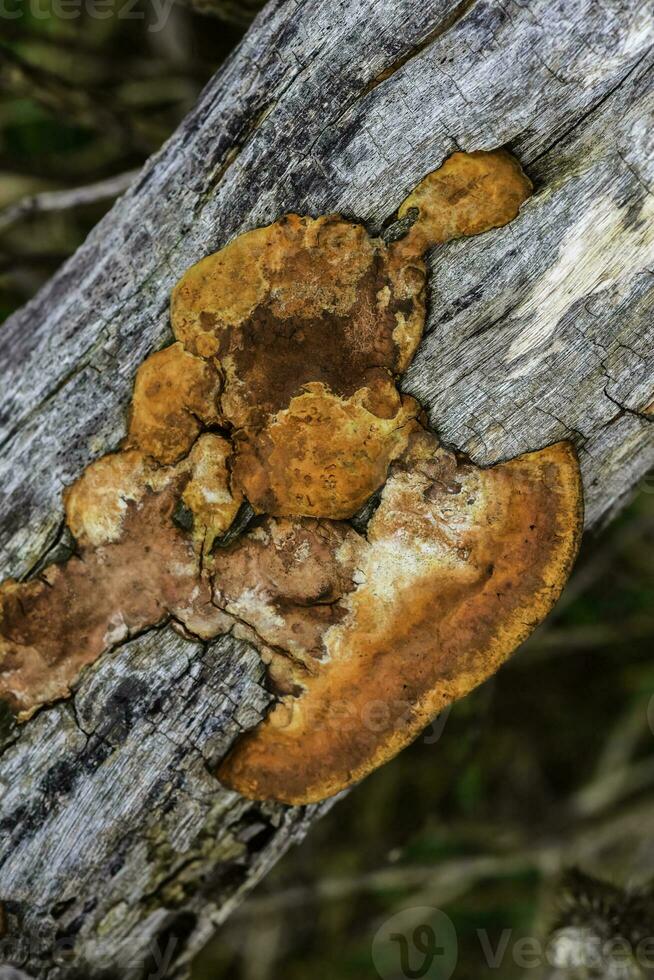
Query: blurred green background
[550, 764]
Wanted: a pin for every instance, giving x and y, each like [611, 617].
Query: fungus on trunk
[280, 395]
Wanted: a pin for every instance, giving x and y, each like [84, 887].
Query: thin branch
[603, 791]
[446, 880]
[67, 199]
[238, 12]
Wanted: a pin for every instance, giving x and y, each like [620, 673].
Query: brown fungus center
[280, 393]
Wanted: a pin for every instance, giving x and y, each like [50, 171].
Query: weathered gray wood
[114, 833]
[115, 838]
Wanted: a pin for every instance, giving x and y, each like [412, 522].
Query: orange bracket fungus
[275, 483]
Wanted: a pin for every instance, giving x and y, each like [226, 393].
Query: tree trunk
[120, 852]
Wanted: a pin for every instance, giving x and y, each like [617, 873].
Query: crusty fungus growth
[460, 564]
[134, 568]
[279, 400]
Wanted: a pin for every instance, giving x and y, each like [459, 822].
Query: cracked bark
[115, 838]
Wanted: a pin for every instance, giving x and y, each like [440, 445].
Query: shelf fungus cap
[461, 564]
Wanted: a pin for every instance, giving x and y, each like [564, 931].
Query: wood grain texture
[113, 832]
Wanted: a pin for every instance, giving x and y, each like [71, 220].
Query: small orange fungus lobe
[175, 395]
[470, 194]
[271, 422]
